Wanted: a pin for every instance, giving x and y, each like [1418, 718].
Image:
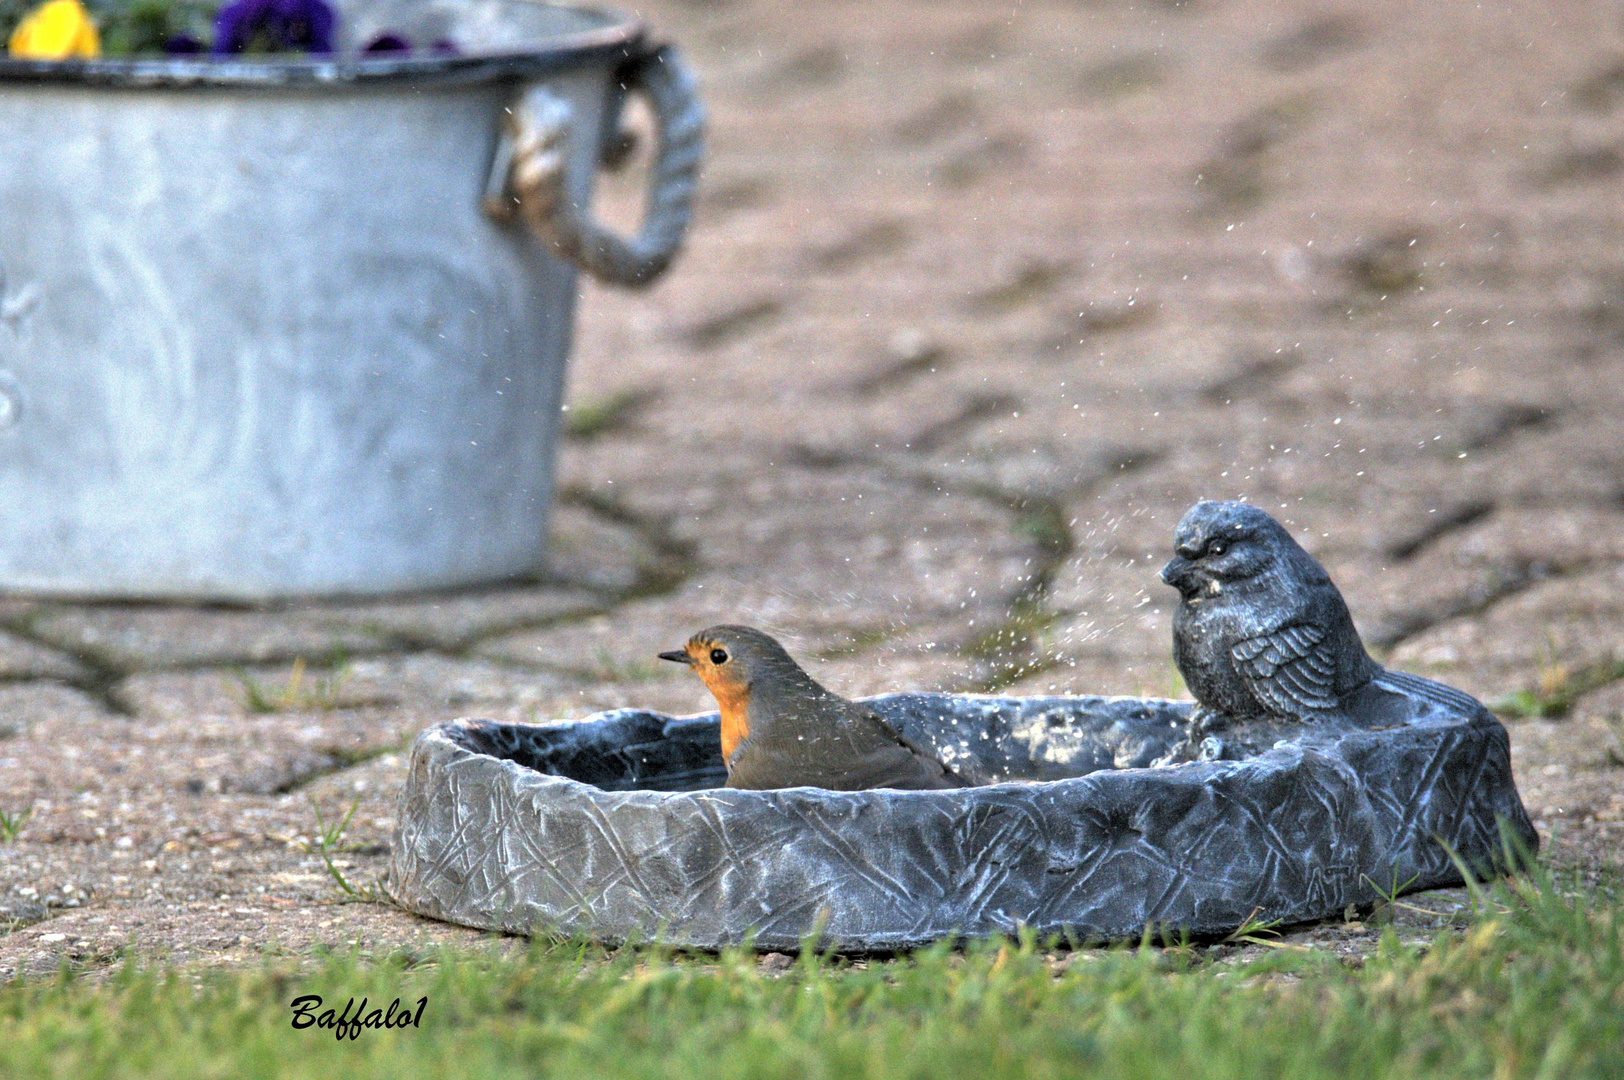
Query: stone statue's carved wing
[1292, 671]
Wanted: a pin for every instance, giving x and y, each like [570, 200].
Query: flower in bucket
[63, 29]
[152, 27]
[274, 26]
[55, 31]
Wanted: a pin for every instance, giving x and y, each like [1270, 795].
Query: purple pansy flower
[268, 26]
[388, 43]
[183, 45]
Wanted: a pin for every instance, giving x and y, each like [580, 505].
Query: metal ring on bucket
[529, 176]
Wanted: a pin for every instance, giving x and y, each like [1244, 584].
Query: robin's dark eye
[1217, 547]
[718, 656]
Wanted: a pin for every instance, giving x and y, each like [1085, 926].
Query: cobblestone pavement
[978, 300]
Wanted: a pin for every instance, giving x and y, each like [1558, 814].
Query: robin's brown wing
[889, 758]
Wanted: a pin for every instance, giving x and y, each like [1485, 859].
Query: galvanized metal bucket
[280, 328]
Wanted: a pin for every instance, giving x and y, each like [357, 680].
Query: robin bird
[1260, 631]
[780, 728]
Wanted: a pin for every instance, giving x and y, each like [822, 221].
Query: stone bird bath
[616, 827]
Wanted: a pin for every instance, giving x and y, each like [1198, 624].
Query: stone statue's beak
[1177, 573]
[677, 656]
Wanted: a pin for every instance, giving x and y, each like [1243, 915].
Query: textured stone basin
[616, 827]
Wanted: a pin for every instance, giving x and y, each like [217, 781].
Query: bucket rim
[619, 38]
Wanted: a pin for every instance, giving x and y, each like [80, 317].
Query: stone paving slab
[976, 303]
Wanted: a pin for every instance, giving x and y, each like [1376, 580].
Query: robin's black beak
[678, 656]
[1177, 573]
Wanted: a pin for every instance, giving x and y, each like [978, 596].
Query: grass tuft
[1253, 930]
[328, 839]
[295, 695]
[588, 420]
[1557, 688]
[11, 824]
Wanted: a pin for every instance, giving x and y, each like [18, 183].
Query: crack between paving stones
[406, 643]
[342, 758]
[676, 559]
[1509, 421]
[11, 926]
[1448, 520]
[100, 681]
[978, 408]
[1513, 579]
[1252, 379]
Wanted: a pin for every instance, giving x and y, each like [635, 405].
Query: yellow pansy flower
[56, 31]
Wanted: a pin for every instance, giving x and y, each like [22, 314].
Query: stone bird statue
[1260, 631]
[780, 728]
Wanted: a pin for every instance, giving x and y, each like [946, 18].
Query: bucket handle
[528, 175]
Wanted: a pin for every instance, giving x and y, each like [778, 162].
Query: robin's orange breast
[735, 706]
